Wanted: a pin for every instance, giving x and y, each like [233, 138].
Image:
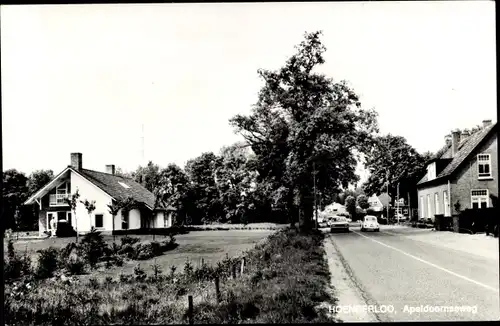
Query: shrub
[65, 230]
[75, 266]
[139, 273]
[188, 268]
[47, 262]
[126, 240]
[94, 283]
[16, 266]
[94, 247]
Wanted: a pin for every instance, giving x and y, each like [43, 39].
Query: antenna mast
[142, 145]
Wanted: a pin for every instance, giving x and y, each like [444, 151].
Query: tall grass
[285, 280]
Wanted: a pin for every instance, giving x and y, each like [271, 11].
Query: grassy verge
[285, 279]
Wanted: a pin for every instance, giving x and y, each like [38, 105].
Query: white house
[104, 188]
[377, 203]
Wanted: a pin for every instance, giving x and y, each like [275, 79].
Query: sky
[87, 78]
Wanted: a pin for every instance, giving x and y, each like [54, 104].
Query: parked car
[349, 220]
[339, 223]
[370, 223]
[400, 217]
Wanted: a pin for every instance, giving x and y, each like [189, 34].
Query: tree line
[302, 138]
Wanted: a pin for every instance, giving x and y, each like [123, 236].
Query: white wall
[159, 220]
[89, 191]
[134, 219]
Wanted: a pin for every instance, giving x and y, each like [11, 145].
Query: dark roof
[465, 148]
[109, 183]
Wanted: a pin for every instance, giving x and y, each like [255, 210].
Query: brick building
[464, 176]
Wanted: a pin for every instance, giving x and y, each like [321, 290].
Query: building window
[166, 216]
[99, 220]
[479, 198]
[446, 203]
[422, 215]
[124, 222]
[429, 205]
[436, 203]
[484, 166]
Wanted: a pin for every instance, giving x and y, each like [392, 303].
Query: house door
[51, 221]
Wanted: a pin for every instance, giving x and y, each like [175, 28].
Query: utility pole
[315, 205]
[389, 201]
[409, 208]
[397, 203]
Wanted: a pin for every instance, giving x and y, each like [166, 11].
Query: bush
[75, 266]
[126, 240]
[94, 247]
[65, 230]
[139, 273]
[47, 262]
[16, 266]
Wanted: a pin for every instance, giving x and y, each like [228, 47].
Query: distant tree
[362, 201]
[38, 179]
[14, 193]
[350, 205]
[121, 173]
[391, 161]
[178, 193]
[204, 192]
[148, 176]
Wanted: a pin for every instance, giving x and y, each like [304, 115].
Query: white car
[400, 217]
[370, 223]
[339, 223]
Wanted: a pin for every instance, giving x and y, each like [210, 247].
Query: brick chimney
[110, 169]
[455, 140]
[464, 135]
[76, 161]
[486, 123]
[447, 140]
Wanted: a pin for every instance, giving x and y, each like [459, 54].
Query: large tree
[14, 193]
[204, 193]
[306, 123]
[177, 193]
[236, 182]
[391, 161]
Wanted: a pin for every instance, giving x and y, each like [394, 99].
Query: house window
[99, 220]
[446, 203]
[429, 206]
[124, 222]
[479, 198]
[422, 215]
[436, 203]
[484, 166]
[165, 219]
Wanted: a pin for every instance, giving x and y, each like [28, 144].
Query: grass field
[212, 246]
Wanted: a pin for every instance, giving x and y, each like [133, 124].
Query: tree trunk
[306, 209]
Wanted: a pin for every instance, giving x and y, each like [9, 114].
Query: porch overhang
[35, 198]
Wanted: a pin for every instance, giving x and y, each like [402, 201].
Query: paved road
[390, 269]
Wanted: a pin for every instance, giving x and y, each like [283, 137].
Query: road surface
[391, 271]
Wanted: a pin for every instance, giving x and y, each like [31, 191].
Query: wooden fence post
[233, 270]
[190, 311]
[202, 262]
[217, 289]
[242, 265]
